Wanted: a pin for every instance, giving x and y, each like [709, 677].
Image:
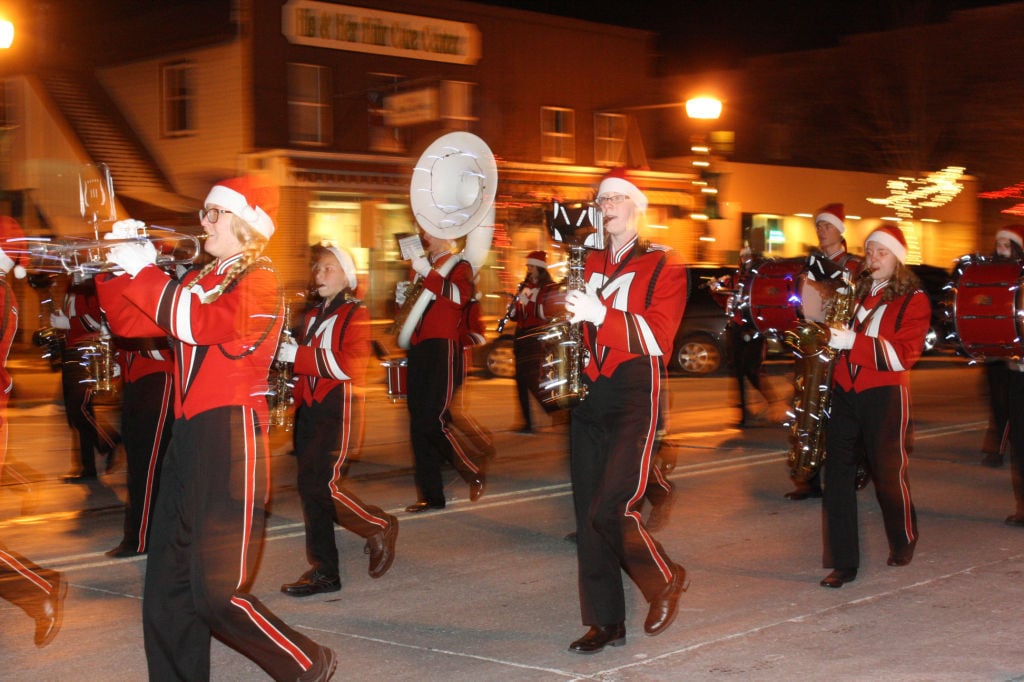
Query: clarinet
[511, 307]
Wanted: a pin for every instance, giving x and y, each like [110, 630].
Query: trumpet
[87, 257]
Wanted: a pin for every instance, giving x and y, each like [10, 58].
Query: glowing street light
[6, 34]
[703, 108]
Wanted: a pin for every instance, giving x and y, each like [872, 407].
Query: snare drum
[398, 378]
[987, 307]
[772, 296]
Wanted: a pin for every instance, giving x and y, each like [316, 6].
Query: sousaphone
[452, 196]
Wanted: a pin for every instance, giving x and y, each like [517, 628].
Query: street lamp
[6, 34]
[703, 107]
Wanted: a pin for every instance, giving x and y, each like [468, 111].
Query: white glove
[524, 296]
[421, 264]
[841, 339]
[59, 320]
[585, 307]
[286, 353]
[126, 229]
[133, 257]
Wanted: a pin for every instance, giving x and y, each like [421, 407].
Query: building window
[457, 104]
[610, 139]
[558, 134]
[178, 99]
[309, 104]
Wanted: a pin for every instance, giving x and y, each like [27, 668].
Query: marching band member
[870, 414]
[633, 304]
[829, 264]
[39, 592]
[146, 418]
[82, 320]
[330, 352]
[207, 530]
[528, 312]
[1006, 393]
[435, 373]
[998, 372]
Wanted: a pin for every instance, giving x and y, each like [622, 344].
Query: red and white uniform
[330, 369]
[870, 415]
[613, 430]
[435, 374]
[208, 524]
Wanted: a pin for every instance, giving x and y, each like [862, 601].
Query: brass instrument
[84, 257]
[556, 349]
[812, 381]
[100, 358]
[280, 398]
[49, 338]
[451, 195]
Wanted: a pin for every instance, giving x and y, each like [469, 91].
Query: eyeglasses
[613, 199]
[211, 214]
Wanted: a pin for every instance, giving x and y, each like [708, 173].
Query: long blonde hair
[253, 244]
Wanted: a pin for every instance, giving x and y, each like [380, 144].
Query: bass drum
[987, 307]
[771, 296]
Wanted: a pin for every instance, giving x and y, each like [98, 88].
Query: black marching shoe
[123, 551]
[381, 548]
[477, 486]
[901, 557]
[1014, 520]
[50, 612]
[839, 577]
[664, 607]
[80, 478]
[422, 506]
[598, 637]
[803, 493]
[312, 582]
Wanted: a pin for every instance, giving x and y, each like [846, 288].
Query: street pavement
[487, 590]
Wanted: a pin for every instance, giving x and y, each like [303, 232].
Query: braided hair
[253, 244]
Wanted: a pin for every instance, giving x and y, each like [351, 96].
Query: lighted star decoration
[908, 195]
[1011, 192]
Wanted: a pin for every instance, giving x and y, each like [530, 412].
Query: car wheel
[698, 355]
[501, 361]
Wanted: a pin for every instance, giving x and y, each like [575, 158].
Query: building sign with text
[359, 29]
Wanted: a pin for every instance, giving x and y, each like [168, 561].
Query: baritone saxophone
[812, 381]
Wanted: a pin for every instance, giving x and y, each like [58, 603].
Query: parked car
[935, 280]
[700, 340]
[496, 357]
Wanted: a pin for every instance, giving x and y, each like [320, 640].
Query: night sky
[695, 34]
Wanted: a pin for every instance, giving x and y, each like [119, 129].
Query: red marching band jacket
[82, 307]
[223, 349]
[8, 327]
[443, 318]
[890, 339]
[644, 287]
[334, 347]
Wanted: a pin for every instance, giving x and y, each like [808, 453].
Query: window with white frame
[610, 139]
[178, 98]
[310, 112]
[558, 134]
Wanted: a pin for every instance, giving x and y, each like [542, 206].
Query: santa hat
[1015, 233]
[891, 237]
[248, 198]
[538, 259]
[12, 243]
[348, 264]
[617, 181]
[832, 214]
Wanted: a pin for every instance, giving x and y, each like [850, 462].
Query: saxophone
[282, 382]
[812, 382]
[558, 346]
